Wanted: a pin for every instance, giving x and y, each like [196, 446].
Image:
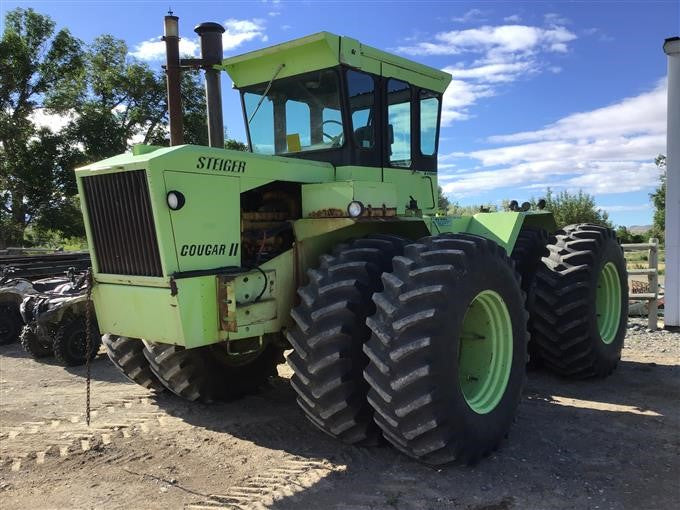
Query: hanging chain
[88, 340]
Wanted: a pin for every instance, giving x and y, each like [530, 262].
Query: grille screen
[121, 223]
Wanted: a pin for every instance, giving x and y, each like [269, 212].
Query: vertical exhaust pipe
[173, 77]
[211, 54]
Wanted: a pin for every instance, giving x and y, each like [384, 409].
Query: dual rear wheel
[444, 360]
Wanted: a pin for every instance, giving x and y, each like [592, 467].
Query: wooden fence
[652, 273]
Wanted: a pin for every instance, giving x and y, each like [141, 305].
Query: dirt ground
[611, 443]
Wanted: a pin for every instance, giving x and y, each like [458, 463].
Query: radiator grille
[121, 223]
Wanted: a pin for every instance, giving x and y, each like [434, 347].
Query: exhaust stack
[173, 77]
[211, 54]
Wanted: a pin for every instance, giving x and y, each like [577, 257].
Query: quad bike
[56, 323]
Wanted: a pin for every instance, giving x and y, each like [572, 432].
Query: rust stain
[328, 213]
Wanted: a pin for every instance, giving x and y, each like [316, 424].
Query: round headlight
[355, 209]
[176, 200]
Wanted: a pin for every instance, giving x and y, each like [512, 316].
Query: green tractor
[325, 238]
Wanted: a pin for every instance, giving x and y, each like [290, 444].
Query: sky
[570, 95]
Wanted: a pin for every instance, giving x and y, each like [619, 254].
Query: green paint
[608, 302]
[322, 50]
[485, 356]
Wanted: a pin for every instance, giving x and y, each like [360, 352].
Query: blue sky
[566, 94]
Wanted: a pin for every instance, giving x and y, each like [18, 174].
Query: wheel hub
[485, 356]
[608, 302]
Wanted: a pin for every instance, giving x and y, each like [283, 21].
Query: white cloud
[606, 150]
[471, 15]
[631, 207]
[154, 49]
[237, 32]
[55, 122]
[504, 54]
[515, 18]
[495, 41]
[556, 19]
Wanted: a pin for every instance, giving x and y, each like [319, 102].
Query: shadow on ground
[596, 443]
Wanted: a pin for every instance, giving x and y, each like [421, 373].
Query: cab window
[429, 113]
[296, 114]
[361, 88]
[399, 123]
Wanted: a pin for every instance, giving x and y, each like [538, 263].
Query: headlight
[355, 209]
[176, 200]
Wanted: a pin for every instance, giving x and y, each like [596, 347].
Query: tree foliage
[659, 201]
[569, 208]
[107, 100]
[443, 201]
[235, 145]
[36, 182]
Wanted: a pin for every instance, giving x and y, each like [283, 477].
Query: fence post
[653, 263]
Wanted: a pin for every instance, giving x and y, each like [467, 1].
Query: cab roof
[323, 50]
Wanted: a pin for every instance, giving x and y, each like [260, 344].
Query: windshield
[298, 114]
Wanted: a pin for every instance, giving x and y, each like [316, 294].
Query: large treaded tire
[414, 350]
[10, 323]
[205, 374]
[531, 246]
[127, 354]
[32, 344]
[329, 333]
[70, 342]
[564, 311]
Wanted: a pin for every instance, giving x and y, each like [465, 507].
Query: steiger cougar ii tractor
[324, 238]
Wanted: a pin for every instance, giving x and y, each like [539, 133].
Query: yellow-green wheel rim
[608, 302]
[485, 356]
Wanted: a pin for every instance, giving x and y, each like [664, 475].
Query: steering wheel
[336, 141]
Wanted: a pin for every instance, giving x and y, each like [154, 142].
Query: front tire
[580, 308]
[10, 323]
[329, 333]
[448, 349]
[127, 354]
[208, 374]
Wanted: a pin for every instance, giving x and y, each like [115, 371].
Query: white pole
[672, 295]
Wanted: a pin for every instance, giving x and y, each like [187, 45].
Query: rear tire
[128, 355]
[448, 349]
[329, 333]
[572, 339]
[531, 246]
[33, 345]
[70, 342]
[208, 374]
[10, 323]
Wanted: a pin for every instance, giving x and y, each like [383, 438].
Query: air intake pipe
[211, 54]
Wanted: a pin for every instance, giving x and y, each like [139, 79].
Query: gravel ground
[602, 444]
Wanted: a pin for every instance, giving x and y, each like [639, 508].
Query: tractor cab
[330, 98]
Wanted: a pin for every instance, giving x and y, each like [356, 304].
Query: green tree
[109, 99]
[659, 201]
[235, 145]
[455, 209]
[124, 101]
[569, 208]
[443, 201]
[40, 69]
